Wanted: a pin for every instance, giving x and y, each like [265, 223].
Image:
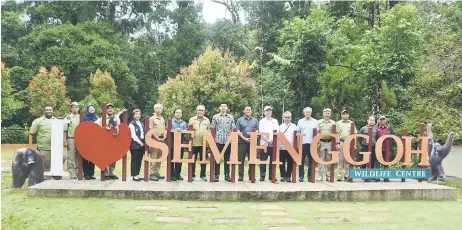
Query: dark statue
[27, 163]
[436, 154]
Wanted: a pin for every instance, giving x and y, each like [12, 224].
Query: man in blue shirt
[245, 124]
[178, 124]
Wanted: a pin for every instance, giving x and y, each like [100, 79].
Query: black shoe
[87, 178]
[114, 177]
[159, 176]
[216, 179]
[300, 179]
[179, 177]
[93, 178]
[57, 177]
[240, 179]
[108, 177]
[227, 178]
[262, 178]
[173, 178]
[153, 178]
[136, 179]
[288, 179]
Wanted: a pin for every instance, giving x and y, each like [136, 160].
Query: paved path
[453, 163]
[244, 191]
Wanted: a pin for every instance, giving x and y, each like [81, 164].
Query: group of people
[223, 122]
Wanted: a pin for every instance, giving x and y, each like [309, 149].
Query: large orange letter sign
[177, 148]
[346, 150]
[423, 151]
[254, 147]
[290, 149]
[156, 144]
[314, 149]
[208, 138]
[378, 150]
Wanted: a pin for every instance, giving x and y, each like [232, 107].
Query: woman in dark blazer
[138, 131]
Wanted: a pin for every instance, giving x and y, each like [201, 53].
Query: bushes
[15, 134]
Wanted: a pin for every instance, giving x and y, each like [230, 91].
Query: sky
[212, 11]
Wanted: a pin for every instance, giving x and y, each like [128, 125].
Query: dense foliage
[399, 59]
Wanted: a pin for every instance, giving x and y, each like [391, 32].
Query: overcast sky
[212, 11]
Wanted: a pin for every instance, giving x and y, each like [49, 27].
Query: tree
[9, 103]
[103, 89]
[211, 79]
[389, 53]
[436, 92]
[80, 50]
[305, 46]
[48, 88]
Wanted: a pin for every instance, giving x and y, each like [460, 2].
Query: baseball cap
[326, 110]
[267, 108]
[345, 111]
[382, 117]
[110, 104]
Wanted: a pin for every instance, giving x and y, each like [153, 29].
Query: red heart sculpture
[99, 145]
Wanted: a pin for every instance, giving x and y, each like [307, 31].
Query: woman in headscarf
[88, 166]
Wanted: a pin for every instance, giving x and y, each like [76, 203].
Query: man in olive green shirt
[325, 145]
[343, 131]
[41, 129]
[109, 171]
[157, 123]
[200, 124]
[72, 154]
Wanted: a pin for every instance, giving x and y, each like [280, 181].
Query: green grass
[20, 211]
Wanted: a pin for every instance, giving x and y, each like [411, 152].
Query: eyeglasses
[286, 117]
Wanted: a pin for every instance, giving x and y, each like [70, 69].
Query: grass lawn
[22, 212]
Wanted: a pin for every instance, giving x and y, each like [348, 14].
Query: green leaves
[10, 104]
[210, 80]
[103, 89]
[48, 88]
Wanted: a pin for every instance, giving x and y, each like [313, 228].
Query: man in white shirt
[287, 128]
[306, 126]
[267, 125]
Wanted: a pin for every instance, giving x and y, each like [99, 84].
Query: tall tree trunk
[111, 16]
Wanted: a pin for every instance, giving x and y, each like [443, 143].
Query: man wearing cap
[383, 128]
[157, 123]
[200, 124]
[244, 125]
[325, 145]
[41, 129]
[69, 128]
[109, 171]
[306, 126]
[343, 131]
[267, 125]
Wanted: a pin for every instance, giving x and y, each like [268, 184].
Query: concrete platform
[245, 191]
